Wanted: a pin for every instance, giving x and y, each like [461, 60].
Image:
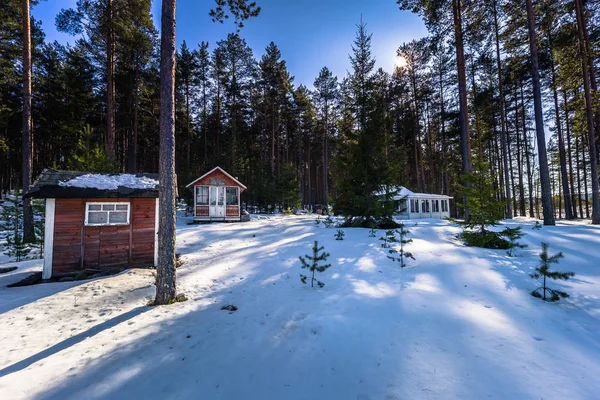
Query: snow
[111, 182]
[457, 323]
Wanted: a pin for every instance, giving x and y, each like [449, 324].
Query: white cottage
[413, 205]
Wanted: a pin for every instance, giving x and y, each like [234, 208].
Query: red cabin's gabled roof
[218, 169]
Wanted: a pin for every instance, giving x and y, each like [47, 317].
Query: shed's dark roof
[48, 186]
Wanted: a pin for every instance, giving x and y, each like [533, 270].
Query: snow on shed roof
[110, 182]
[77, 184]
[402, 192]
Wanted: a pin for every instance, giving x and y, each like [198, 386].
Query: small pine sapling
[513, 234]
[537, 226]
[390, 237]
[403, 240]
[313, 264]
[339, 235]
[543, 271]
[318, 221]
[372, 232]
[328, 222]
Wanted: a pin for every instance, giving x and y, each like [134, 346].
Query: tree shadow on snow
[73, 340]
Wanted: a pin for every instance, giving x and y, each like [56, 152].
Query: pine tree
[11, 220]
[543, 271]
[512, 235]
[318, 255]
[402, 239]
[339, 235]
[482, 197]
[363, 158]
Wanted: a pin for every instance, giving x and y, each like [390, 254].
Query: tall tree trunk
[502, 115]
[132, 138]
[519, 158]
[589, 114]
[188, 150]
[465, 138]
[165, 278]
[326, 156]
[561, 142]
[568, 140]
[28, 230]
[528, 161]
[110, 83]
[539, 122]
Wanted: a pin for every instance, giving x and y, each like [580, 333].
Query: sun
[400, 62]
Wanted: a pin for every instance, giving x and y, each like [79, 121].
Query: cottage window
[97, 214]
[444, 205]
[202, 195]
[436, 205]
[425, 206]
[414, 206]
[402, 206]
[232, 196]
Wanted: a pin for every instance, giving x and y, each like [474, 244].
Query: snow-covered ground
[457, 323]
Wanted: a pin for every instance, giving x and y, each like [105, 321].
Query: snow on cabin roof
[77, 184]
[402, 192]
[111, 182]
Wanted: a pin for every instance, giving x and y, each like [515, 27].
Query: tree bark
[28, 229]
[589, 115]
[539, 122]
[166, 276]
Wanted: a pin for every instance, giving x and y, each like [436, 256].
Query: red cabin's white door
[217, 202]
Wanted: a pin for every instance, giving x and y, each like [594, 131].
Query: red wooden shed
[97, 221]
[217, 196]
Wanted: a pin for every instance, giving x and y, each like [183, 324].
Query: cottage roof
[78, 184]
[221, 170]
[402, 192]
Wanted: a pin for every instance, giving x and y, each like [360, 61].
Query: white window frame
[87, 213]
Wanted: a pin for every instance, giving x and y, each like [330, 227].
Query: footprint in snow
[539, 339]
[486, 306]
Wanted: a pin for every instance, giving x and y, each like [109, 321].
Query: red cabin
[217, 196]
[97, 221]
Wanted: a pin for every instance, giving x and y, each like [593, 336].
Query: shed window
[107, 214]
[444, 205]
[436, 205]
[202, 195]
[217, 182]
[232, 196]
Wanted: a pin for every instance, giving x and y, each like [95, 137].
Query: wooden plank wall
[77, 246]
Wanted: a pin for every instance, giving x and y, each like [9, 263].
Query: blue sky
[310, 33]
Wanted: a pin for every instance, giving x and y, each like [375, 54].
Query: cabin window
[232, 196]
[436, 205]
[202, 195]
[444, 205]
[97, 214]
[217, 182]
